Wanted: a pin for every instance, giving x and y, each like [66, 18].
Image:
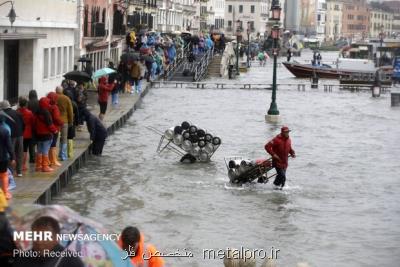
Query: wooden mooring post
[395, 98]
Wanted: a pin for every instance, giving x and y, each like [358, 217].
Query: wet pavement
[341, 203]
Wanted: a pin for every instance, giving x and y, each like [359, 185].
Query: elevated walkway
[40, 187]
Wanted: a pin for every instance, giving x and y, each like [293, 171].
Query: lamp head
[12, 15]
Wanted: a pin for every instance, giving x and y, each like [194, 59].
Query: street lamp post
[381, 36]
[11, 15]
[248, 45]
[237, 46]
[273, 112]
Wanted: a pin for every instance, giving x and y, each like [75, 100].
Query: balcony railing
[143, 3]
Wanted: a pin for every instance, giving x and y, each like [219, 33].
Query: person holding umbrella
[104, 88]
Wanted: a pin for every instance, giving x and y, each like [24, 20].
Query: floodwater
[341, 205]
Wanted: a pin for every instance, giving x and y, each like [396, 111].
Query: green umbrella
[102, 72]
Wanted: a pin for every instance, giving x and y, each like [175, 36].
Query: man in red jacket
[279, 148]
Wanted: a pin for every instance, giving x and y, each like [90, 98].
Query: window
[230, 23]
[46, 63]
[350, 17]
[58, 60]
[230, 8]
[53, 62]
[252, 9]
[251, 25]
[65, 65]
[240, 9]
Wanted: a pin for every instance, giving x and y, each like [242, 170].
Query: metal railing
[201, 68]
[180, 58]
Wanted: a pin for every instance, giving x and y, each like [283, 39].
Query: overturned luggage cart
[241, 170]
[188, 141]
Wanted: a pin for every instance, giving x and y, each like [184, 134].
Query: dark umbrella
[78, 76]
[129, 57]
[84, 59]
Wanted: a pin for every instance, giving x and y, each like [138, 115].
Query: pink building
[96, 18]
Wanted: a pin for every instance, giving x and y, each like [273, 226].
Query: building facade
[219, 16]
[141, 13]
[241, 15]
[355, 20]
[302, 15]
[334, 14]
[321, 20]
[381, 21]
[101, 35]
[394, 6]
[175, 15]
[38, 49]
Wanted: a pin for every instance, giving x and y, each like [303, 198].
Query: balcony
[189, 9]
[143, 3]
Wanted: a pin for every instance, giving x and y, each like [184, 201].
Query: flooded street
[341, 205]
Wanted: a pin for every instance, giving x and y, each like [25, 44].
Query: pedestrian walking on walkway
[33, 105]
[16, 122]
[289, 54]
[135, 76]
[67, 116]
[280, 148]
[111, 78]
[59, 123]
[6, 154]
[81, 101]
[29, 120]
[44, 131]
[72, 127]
[104, 88]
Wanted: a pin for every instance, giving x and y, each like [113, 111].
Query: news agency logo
[33, 236]
[48, 236]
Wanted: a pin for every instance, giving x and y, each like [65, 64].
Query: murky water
[341, 206]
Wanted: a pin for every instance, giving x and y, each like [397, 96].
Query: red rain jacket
[55, 111]
[29, 119]
[44, 126]
[104, 89]
[282, 147]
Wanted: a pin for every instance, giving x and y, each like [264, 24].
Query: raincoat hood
[44, 103]
[53, 98]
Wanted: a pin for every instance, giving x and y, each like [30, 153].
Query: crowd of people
[32, 132]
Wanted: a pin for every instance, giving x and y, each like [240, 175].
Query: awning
[22, 36]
